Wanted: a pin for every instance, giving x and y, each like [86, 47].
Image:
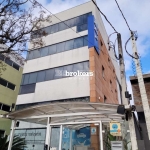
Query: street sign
[115, 128]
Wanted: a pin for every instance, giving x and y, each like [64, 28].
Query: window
[47, 30]
[103, 71]
[8, 61]
[79, 20]
[44, 51]
[3, 82]
[2, 132]
[105, 99]
[78, 42]
[49, 74]
[85, 41]
[7, 84]
[54, 28]
[36, 53]
[71, 22]
[86, 66]
[110, 84]
[11, 86]
[82, 27]
[41, 76]
[52, 49]
[69, 45]
[32, 78]
[78, 66]
[26, 79]
[27, 89]
[58, 73]
[30, 55]
[2, 57]
[60, 47]
[62, 26]
[5, 108]
[16, 66]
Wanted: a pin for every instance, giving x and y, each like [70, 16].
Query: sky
[137, 14]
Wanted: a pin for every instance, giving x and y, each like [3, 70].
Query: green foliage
[18, 143]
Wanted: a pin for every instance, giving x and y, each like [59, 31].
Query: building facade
[10, 80]
[76, 42]
[143, 136]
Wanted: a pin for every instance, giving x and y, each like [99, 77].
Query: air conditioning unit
[117, 145]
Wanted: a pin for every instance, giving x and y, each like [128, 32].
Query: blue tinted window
[49, 74]
[54, 28]
[44, 51]
[78, 66]
[27, 89]
[85, 38]
[52, 49]
[47, 30]
[62, 26]
[30, 55]
[36, 53]
[26, 79]
[81, 27]
[86, 66]
[71, 22]
[60, 47]
[79, 20]
[32, 77]
[68, 68]
[69, 45]
[78, 42]
[41, 76]
[8, 61]
[58, 73]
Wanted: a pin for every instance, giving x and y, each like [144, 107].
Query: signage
[93, 130]
[115, 128]
[93, 34]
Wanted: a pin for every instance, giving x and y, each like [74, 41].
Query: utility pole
[130, 123]
[144, 98]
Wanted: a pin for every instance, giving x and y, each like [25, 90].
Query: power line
[123, 15]
[70, 27]
[104, 16]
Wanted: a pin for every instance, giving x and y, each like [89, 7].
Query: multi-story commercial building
[143, 136]
[10, 80]
[76, 42]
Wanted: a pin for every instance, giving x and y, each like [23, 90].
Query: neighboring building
[10, 80]
[82, 48]
[139, 108]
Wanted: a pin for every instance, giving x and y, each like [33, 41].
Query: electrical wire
[70, 27]
[104, 16]
[123, 16]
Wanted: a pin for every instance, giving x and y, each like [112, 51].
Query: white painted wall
[55, 60]
[65, 88]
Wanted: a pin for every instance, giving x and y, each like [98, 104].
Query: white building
[68, 46]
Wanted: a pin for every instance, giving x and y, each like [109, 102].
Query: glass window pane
[16, 66]
[41, 76]
[49, 74]
[79, 20]
[11, 86]
[82, 27]
[3, 82]
[27, 89]
[62, 26]
[69, 45]
[71, 22]
[78, 42]
[58, 73]
[47, 30]
[26, 79]
[5, 108]
[54, 28]
[32, 78]
[66, 69]
[44, 51]
[30, 55]
[22, 79]
[78, 66]
[2, 57]
[36, 53]
[85, 40]
[8, 61]
[86, 66]
[60, 47]
[52, 49]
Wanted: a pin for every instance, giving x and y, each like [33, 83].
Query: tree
[18, 143]
[17, 23]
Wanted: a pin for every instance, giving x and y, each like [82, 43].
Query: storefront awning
[64, 113]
